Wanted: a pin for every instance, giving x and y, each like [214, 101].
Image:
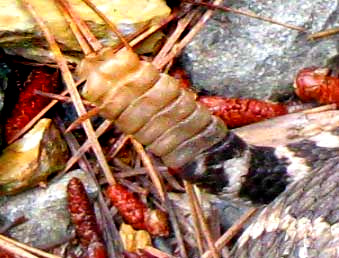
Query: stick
[182, 25]
[110, 24]
[177, 50]
[231, 232]
[197, 228]
[83, 28]
[323, 34]
[152, 172]
[86, 48]
[67, 76]
[22, 249]
[246, 13]
[201, 218]
[102, 128]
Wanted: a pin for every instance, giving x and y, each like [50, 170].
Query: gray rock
[48, 222]
[240, 56]
[229, 210]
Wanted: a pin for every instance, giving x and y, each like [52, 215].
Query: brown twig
[93, 112]
[323, 34]
[10, 224]
[231, 232]
[171, 180]
[118, 145]
[196, 225]
[35, 119]
[206, 232]
[61, 98]
[13, 250]
[79, 153]
[182, 25]
[73, 146]
[111, 234]
[246, 13]
[67, 76]
[133, 187]
[40, 115]
[320, 109]
[153, 29]
[23, 250]
[81, 25]
[110, 24]
[156, 252]
[175, 225]
[152, 172]
[131, 173]
[177, 49]
[86, 48]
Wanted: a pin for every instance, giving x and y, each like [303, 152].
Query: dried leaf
[134, 240]
[157, 222]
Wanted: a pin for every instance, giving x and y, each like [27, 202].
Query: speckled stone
[240, 56]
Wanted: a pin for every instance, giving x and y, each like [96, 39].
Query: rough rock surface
[20, 34]
[239, 56]
[229, 211]
[32, 158]
[48, 221]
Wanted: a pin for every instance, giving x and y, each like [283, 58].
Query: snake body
[304, 220]
[172, 125]
[166, 118]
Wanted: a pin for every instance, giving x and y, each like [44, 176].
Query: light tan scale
[143, 102]
[151, 106]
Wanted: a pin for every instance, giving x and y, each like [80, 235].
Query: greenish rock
[48, 221]
[31, 159]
